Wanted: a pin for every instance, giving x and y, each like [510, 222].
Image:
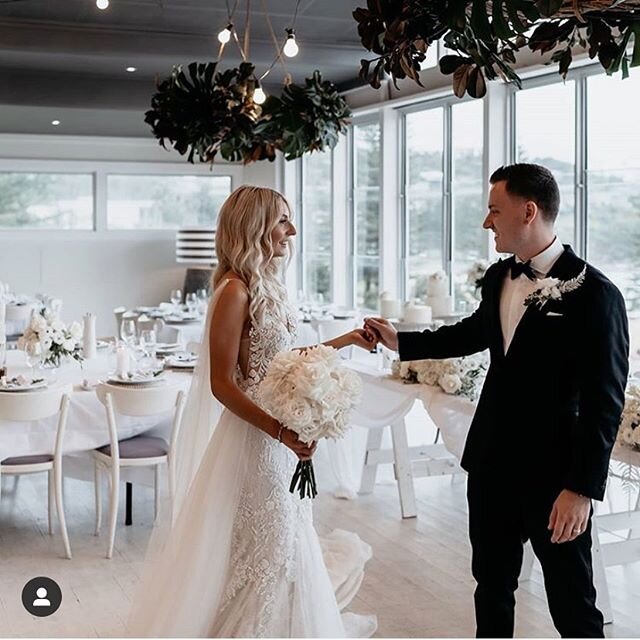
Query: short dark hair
[533, 182]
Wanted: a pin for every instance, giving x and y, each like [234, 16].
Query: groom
[538, 448]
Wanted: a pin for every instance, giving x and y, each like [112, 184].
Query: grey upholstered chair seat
[35, 459]
[139, 447]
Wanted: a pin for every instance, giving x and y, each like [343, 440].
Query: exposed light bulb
[55, 123]
[291, 46]
[102, 4]
[130, 69]
[259, 96]
[225, 35]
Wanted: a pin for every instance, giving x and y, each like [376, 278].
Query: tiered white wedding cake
[438, 297]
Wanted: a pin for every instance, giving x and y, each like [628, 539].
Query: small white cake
[417, 314]
[389, 307]
[438, 297]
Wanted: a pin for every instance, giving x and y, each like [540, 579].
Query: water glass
[148, 342]
[128, 332]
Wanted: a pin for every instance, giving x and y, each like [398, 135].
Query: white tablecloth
[86, 423]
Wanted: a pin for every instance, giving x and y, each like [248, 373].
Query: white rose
[450, 383]
[38, 323]
[58, 325]
[76, 331]
[69, 344]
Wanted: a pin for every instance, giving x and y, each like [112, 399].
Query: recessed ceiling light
[130, 69]
[55, 123]
[102, 4]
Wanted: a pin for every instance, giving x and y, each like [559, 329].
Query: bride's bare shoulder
[234, 290]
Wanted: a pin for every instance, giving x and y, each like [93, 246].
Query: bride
[242, 558]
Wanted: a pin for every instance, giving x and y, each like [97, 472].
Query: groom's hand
[384, 331]
[569, 516]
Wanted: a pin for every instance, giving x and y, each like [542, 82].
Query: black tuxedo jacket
[550, 407]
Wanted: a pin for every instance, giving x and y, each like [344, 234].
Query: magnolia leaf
[549, 8]
[460, 80]
[499, 22]
[480, 20]
[449, 64]
[635, 58]
[476, 86]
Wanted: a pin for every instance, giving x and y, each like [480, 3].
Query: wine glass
[128, 332]
[192, 302]
[34, 357]
[176, 297]
[148, 342]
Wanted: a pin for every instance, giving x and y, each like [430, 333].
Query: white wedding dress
[243, 558]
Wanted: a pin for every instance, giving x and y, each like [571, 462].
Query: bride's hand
[363, 338]
[303, 451]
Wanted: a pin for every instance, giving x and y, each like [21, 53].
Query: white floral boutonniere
[553, 289]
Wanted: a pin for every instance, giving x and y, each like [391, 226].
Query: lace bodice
[265, 342]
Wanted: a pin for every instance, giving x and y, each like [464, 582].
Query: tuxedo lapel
[567, 266]
[498, 338]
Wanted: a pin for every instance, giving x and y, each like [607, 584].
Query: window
[164, 201]
[468, 196]
[366, 213]
[613, 187]
[443, 210]
[424, 131]
[46, 200]
[546, 134]
[317, 226]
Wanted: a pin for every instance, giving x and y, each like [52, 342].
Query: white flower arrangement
[49, 336]
[455, 376]
[475, 277]
[312, 393]
[629, 431]
[553, 289]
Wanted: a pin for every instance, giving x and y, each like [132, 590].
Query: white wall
[99, 270]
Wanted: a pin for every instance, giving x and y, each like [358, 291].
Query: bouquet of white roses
[455, 376]
[629, 431]
[311, 393]
[48, 335]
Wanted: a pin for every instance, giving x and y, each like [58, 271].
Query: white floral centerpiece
[475, 277]
[629, 431]
[310, 392]
[455, 376]
[49, 336]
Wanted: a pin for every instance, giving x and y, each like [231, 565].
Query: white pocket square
[553, 314]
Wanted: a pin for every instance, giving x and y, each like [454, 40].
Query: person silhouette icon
[41, 600]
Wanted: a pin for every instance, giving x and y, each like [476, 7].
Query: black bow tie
[518, 268]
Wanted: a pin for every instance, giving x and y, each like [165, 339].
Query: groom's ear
[531, 211]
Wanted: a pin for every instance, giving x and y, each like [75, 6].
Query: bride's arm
[229, 317]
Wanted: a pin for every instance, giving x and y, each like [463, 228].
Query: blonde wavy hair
[244, 246]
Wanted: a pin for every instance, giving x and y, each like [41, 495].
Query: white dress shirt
[515, 291]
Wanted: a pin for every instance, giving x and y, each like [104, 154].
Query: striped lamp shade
[196, 245]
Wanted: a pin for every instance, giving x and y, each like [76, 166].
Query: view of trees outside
[546, 135]
[613, 186]
[366, 213]
[164, 201]
[317, 226]
[545, 123]
[469, 206]
[423, 197]
[46, 201]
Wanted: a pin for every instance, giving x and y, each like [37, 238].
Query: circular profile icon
[41, 596]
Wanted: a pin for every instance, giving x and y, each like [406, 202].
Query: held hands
[384, 332]
[569, 516]
[303, 451]
[363, 338]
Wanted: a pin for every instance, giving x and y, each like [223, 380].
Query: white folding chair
[28, 407]
[139, 451]
[169, 335]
